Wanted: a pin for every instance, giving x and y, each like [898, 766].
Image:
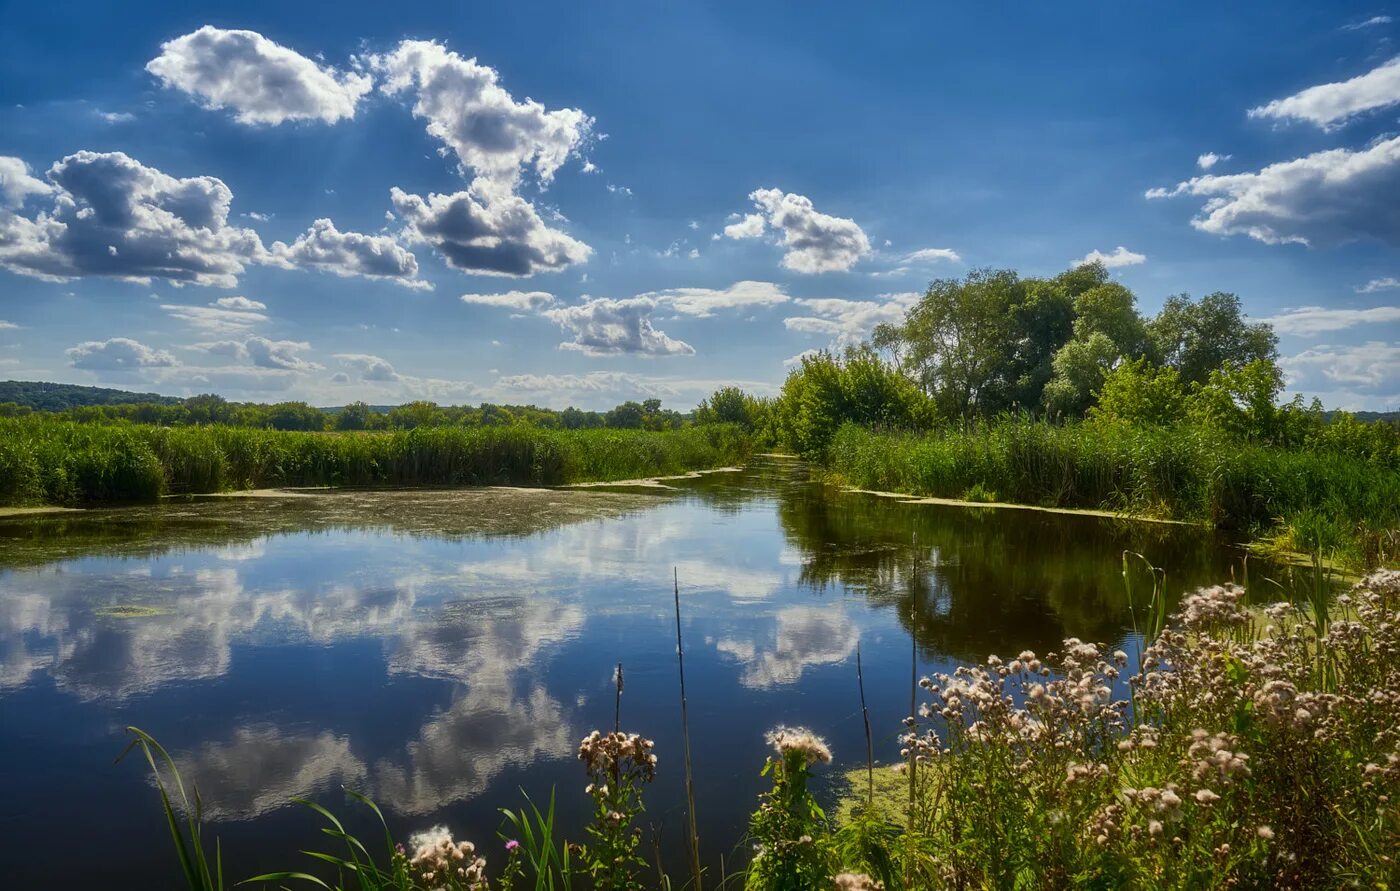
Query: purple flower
[512, 845]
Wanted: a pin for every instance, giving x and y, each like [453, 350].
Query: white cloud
[1368, 23]
[347, 254]
[242, 303]
[260, 352]
[116, 117]
[7, 326]
[1316, 319]
[702, 302]
[261, 81]
[1379, 284]
[1332, 105]
[517, 301]
[848, 322]
[792, 361]
[608, 327]
[1328, 197]
[1371, 365]
[117, 354]
[1118, 257]
[16, 184]
[227, 315]
[751, 226]
[371, 368]
[473, 115]
[932, 255]
[586, 384]
[1210, 159]
[114, 217]
[498, 235]
[815, 242]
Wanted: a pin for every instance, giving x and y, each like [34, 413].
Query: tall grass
[1308, 501]
[43, 460]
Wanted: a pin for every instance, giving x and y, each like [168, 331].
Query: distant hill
[58, 397]
[1390, 417]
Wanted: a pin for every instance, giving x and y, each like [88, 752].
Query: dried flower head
[788, 741]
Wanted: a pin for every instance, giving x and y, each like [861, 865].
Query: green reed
[43, 460]
[1303, 500]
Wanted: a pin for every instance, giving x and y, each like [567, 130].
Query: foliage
[43, 460]
[826, 391]
[618, 765]
[794, 850]
[1185, 472]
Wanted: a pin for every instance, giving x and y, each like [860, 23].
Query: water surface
[443, 650]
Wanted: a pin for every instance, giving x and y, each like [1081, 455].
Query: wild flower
[800, 741]
[439, 862]
[857, 881]
[618, 766]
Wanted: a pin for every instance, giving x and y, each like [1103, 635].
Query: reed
[48, 461]
[1300, 500]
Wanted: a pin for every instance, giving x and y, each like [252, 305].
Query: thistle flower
[799, 740]
[857, 881]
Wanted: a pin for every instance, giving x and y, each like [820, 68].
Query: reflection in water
[805, 636]
[440, 650]
[261, 768]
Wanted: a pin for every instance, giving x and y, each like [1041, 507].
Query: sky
[582, 203]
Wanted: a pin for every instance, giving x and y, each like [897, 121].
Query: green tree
[1199, 337]
[1138, 392]
[354, 416]
[1107, 329]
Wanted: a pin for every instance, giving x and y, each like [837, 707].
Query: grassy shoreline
[1281, 499]
[45, 461]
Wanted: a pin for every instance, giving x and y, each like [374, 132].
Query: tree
[627, 416]
[727, 405]
[1197, 338]
[1107, 329]
[1138, 392]
[354, 416]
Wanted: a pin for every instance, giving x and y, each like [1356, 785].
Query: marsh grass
[44, 460]
[1298, 500]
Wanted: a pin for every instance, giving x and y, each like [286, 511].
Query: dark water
[442, 651]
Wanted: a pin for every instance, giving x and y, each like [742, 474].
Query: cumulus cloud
[752, 225]
[487, 235]
[371, 368]
[117, 354]
[227, 315]
[346, 254]
[242, 303]
[16, 184]
[1374, 364]
[1118, 257]
[1210, 159]
[7, 326]
[848, 322]
[517, 301]
[1379, 284]
[466, 108]
[607, 327]
[1328, 197]
[260, 352]
[262, 81]
[1317, 319]
[113, 216]
[1333, 105]
[815, 242]
[703, 302]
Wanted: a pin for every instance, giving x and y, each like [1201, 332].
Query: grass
[48, 461]
[1300, 500]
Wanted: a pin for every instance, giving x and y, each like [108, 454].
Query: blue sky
[654, 199]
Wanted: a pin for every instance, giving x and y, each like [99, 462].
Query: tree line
[211, 409]
[1071, 348]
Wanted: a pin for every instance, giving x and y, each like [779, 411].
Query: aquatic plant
[43, 460]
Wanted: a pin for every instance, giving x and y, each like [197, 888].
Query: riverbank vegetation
[46, 460]
[1059, 392]
[1238, 749]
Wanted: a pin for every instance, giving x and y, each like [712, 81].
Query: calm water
[443, 650]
